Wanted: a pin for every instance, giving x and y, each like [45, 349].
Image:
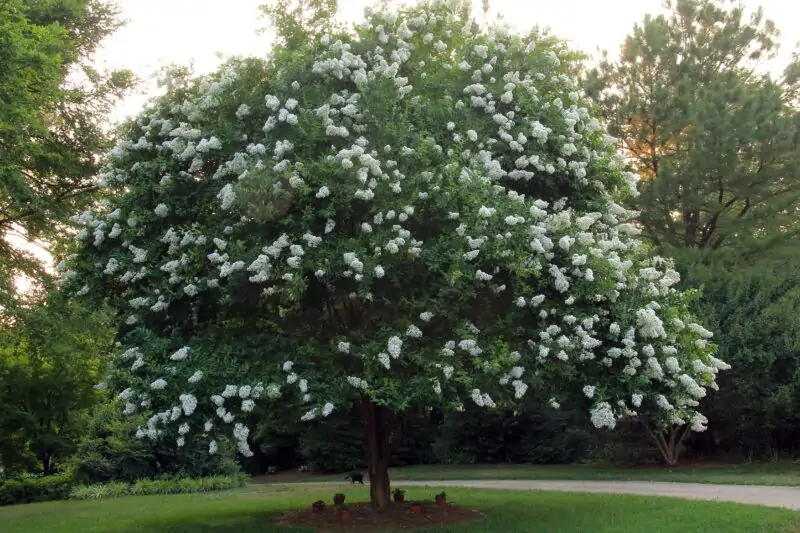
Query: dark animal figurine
[355, 477]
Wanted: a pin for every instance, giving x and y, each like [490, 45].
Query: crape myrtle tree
[406, 214]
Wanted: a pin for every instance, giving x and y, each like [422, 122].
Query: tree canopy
[51, 121]
[50, 361]
[409, 213]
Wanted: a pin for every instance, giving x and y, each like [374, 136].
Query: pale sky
[160, 32]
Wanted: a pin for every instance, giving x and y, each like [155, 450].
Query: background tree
[715, 141]
[50, 360]
[52, 117]
[408, 214]
[756, 309]
[531, 435]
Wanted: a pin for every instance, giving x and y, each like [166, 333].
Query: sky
[203, 32]
[163, 32]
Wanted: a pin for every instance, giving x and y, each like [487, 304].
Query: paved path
[786, 497]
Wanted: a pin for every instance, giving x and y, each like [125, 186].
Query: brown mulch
[364, 519]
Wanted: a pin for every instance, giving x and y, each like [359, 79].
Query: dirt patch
[397, 517]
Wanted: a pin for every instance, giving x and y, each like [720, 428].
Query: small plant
[399, 495]
[441, 499]
[88, 492]
[147, 487]
[115, 490]
[318, 506]
[338, 499]
[35, 488]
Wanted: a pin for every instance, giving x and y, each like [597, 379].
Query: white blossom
[357, 382]
[226, 196]
[414, 332]
[180, 354]
[394, 346]
[602, 416]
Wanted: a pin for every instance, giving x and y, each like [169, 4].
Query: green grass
[252, 510]
[777, 473]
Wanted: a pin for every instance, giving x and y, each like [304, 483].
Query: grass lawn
[253, 510]
[786, 474]
[778, 473]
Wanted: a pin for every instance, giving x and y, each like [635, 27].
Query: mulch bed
[364, 519]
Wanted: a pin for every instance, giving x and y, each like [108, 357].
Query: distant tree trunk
[669, 442]
[377, 421]
[47, 464]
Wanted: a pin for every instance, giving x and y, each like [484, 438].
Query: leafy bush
[111, 453]
[145, 487]
[98, 491]
[35, 489]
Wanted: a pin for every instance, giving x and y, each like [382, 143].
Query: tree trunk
[376, 423]
[691, 220]
[669, 444]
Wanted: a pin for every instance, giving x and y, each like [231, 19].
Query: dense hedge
[35, 489]
[145, 487]
[62, 487]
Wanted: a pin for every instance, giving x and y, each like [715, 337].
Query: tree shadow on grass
[257, 522]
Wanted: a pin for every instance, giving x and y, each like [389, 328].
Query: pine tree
[716, 143]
